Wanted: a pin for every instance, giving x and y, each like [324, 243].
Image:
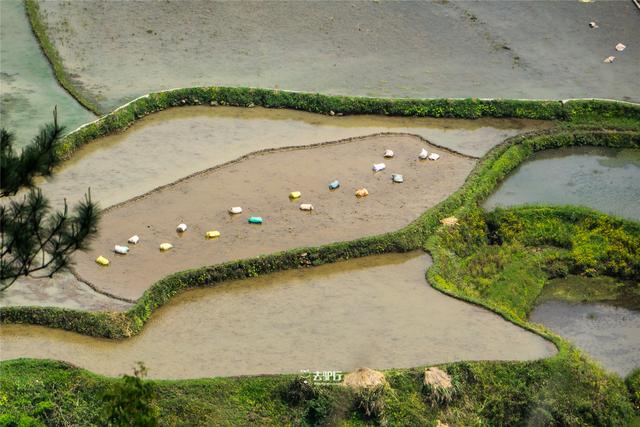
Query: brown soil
[62, 290]
[261, 183]
[187, 140]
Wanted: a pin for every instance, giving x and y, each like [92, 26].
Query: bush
[130, 402]
[299, 390]
[439, 396]
[371, 402]
[633, 384]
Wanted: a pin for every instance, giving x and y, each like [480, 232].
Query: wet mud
[178, 142]
[261, 184]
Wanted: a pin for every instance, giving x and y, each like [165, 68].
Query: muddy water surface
[261, 185]
[28, 88]
[610, 334]
[516, 49]
[376, 311]
[599, 178]
[174, 143]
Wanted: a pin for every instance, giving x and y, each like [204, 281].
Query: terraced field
[441, 269]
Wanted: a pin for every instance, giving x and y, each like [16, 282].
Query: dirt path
[261, 184]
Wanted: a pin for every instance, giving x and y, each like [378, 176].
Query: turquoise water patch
[28, 88]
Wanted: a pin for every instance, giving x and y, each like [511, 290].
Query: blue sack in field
[334, 184]
[255, 220]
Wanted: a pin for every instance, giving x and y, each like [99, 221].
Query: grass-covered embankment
[485, 177]
[39, 29]
[582, 113]
[485, 259]
[505, 259]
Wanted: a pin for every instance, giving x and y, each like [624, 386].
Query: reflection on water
[605, 179]
[610, 334]
[29, 90]
[376, 311]
[174, 143]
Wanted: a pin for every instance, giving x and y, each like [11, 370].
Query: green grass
[40, 31]
[581, 289]
[470, 263]
[501, 261]
[566, 390]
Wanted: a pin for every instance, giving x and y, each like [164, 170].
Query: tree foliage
[32, 238]
[38, 158]
[130, 402]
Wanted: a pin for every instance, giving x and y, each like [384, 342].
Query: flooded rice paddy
[29, 90]
[175, 143]
[261, 184]
[120, 50]
[610, 334]
[187, 140]
[600, 315]
[605, 179]
[376, 311]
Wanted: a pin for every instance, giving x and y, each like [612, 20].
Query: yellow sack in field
[165, 246]
[102, 261]
[212, 234]
[362, 192]
[295, 195]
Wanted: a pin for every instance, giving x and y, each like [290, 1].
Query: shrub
[130, 402]
[439, 396]
[633, 384]
[299, 390]
[370, 401]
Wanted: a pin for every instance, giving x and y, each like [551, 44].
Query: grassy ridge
[483, 179]
[567, 389]
[478, 261]
[125, 116]
[40, 31]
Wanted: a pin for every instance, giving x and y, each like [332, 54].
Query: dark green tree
[38, 158]
[129, 401]
[32, 238]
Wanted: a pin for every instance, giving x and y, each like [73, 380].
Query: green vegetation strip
[481, 182]
[490, 259]
[499, 260]
[577, 112]
[39, 29]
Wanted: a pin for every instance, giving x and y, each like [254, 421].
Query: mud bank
[376, 311]
[169, 145]
[408, 49]
[605, 179]
[29, 88]
[63, 290]
[261, 184]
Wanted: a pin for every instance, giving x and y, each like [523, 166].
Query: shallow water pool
[605, 179]
[377, 311]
